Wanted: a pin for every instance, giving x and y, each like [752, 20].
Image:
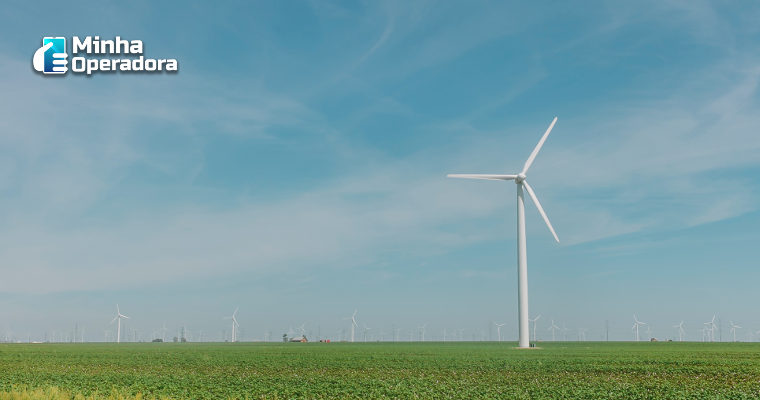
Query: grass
[375, 370]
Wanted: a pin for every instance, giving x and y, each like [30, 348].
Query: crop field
[380, 370]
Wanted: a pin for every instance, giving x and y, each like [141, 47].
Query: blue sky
[295, 167]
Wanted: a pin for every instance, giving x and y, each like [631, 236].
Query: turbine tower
[118, 318]
[636, 325]
[235, 325]
[522, 250]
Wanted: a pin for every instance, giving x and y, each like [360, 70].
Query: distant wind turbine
[636, 325]
[522, 251]
[553, 328]
[498, 329]
[119, 316]
[534, 320]
[235, 325]
[734, 327]
[302, 328]
[681, 331]
[353, 324]
[711, 329]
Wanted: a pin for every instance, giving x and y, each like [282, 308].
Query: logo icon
[51, 57]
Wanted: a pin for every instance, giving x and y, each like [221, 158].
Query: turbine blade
[114, 319]
[491, 177]
[540, 209]
[538, 147]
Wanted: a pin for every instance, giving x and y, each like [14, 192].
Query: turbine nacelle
[520, 178]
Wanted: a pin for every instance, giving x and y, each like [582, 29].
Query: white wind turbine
[734, 327]
[498, 329]
[235, 325]
[119, 316]
[636, 325]
[522, 251]
[534, 320]
[353, 324]
[553, 328]
[681, 331]
[711, 329]
[302, 328]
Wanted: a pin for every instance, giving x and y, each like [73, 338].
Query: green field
[404, 370]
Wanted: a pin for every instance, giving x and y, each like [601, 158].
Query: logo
[91, 54]
[51, 57]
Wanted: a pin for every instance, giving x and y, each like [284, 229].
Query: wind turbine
[522, 250]
[711, 329]
[681, 331]
[553, 328]
[636, 325]
[366, 329]
[498, 329]
[353, 325]
[734, 327]
[118, 318]
[302, 328]
[534, 325]
[422, 331]
[235, 325]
